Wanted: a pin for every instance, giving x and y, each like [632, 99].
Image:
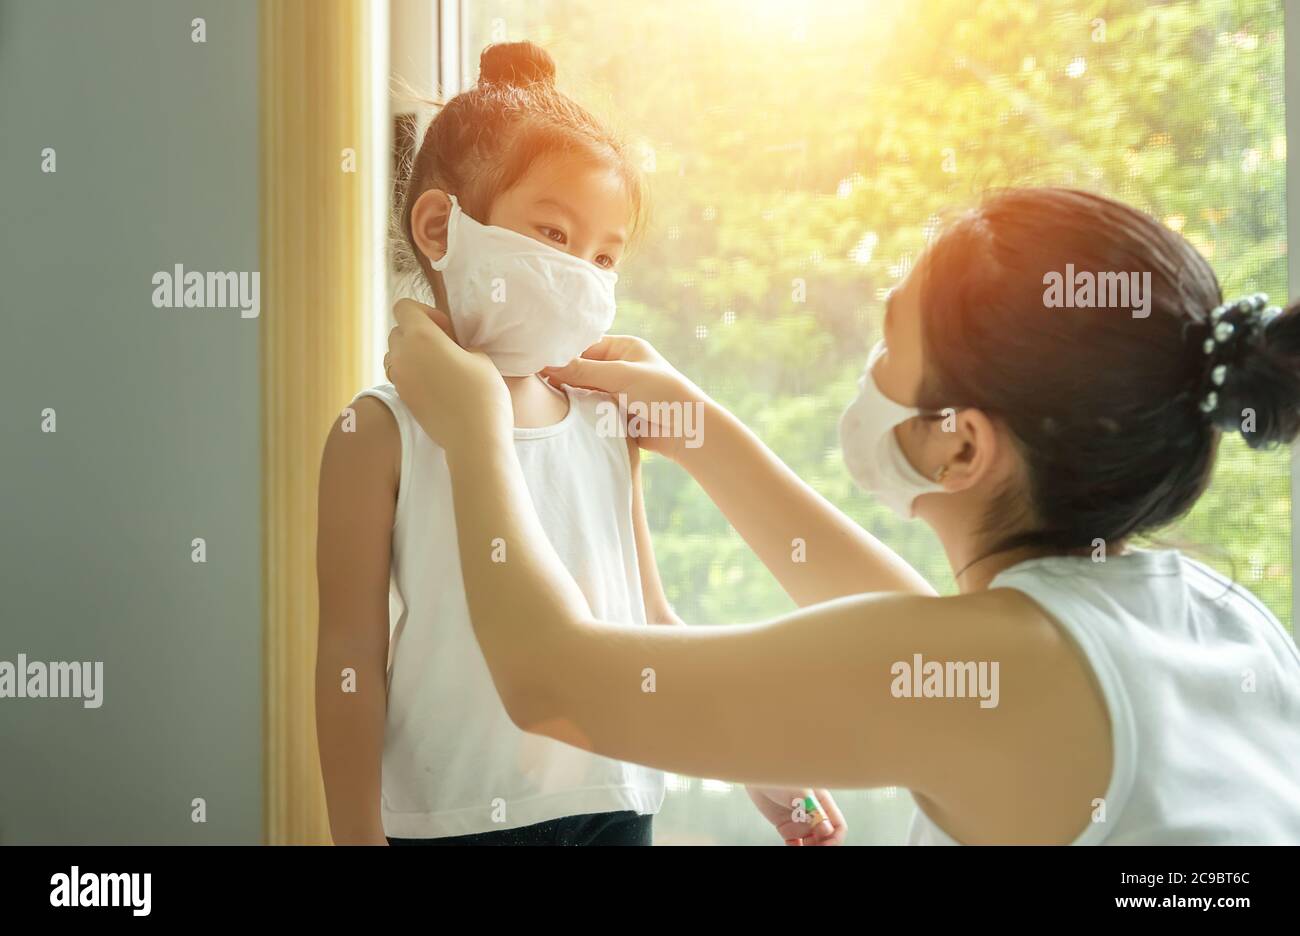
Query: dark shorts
[613, 828]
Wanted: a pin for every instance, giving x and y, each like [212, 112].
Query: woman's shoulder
[1014, 619]
[1005, 624]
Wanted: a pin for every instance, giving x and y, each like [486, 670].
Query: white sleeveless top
[454, 763]
[1202, 685]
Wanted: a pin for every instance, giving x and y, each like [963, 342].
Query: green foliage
[824, 150]
[824, 145]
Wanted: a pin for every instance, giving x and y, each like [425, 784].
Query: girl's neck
[536, 403]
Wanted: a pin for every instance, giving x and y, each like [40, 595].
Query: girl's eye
[552, 234]
[604, 261]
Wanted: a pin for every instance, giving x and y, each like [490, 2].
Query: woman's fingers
[416, 319]
[610, 376]
[411, 314]
[602, 350]
[834, 829]
[442, 320]
[408, 314]
[428, 368]
[618, 348]
[416, 343]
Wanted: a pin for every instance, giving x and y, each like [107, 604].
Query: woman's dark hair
[483, 141]
[1112, 411]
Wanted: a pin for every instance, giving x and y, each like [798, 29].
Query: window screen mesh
[798, 157]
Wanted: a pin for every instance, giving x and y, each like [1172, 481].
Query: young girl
[518, 210]
[1078, 689]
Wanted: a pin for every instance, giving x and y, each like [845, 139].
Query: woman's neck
[975, 566]
[975, 558]
[977, 572]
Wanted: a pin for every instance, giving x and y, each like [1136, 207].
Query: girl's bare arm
[657, 608]
[358, 490]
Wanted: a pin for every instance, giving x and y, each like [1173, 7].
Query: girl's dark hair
[483, 141]
[1106, 407]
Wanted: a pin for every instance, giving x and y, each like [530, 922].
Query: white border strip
[1291, 101]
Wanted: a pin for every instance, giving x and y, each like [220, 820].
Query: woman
[1077, 689]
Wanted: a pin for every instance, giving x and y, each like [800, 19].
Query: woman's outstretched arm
[811, 699]
[814, 550]
[814, 698]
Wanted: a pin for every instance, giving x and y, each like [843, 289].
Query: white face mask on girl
[871, 451]
[525, 303]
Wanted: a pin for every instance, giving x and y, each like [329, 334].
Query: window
[799, 156]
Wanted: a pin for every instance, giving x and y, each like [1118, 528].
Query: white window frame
[1291, 96]
[451, 43]
[422, 51]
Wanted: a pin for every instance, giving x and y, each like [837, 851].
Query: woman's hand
[456, 395]
[783, 807]
[639, 377]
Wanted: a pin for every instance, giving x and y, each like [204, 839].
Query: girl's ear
[429, 216]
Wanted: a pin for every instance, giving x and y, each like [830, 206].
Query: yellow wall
[319, 232]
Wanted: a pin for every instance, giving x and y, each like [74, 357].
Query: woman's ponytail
[1257, 392]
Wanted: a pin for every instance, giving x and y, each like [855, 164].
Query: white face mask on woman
[871, 451]
[525, 303]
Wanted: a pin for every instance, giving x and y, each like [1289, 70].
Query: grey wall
[157, 436]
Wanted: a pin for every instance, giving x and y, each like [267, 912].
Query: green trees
[799, 160]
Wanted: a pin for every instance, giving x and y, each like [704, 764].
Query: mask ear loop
[453, 225]
[453, 222]
[933, 416]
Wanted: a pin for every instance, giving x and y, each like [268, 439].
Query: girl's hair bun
[518, 64]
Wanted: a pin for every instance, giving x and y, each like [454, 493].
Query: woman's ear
[429, 217]
[971, 447]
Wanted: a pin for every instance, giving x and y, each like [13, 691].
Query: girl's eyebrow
[554, 203]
